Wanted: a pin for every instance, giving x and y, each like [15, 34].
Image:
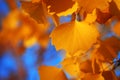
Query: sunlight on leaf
[70, 66]
[90, 18]
[73, 36]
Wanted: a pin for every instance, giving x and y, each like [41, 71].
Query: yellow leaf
[91, 17]
[70, 66]
[51, 73]
[74, 36]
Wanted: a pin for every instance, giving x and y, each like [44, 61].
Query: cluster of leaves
[89, 54]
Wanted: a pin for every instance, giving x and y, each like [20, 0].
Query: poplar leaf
[74, 36]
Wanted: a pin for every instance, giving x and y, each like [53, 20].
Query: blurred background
[25, 66]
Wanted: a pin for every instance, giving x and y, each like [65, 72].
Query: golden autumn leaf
[91, 17]
[70, 66]
[51, 73]
[36, 10]
[74, 36]
[89, 5]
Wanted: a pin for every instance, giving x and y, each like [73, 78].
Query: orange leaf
[55, 7]
[89, 76]
[36, 10]
[89, 5]
[108, 49]
[106, 52]
[109, 75]
[51, 73]
[103, 16]
[87, 67]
